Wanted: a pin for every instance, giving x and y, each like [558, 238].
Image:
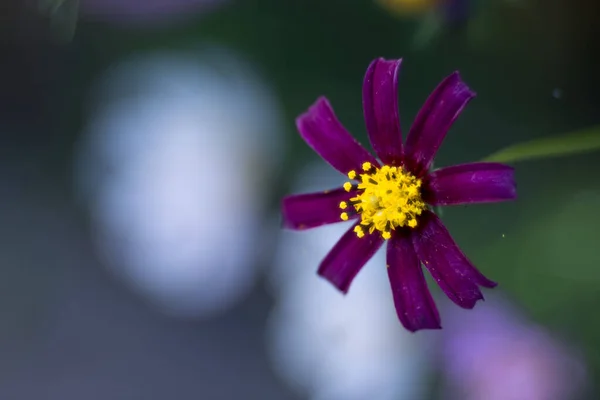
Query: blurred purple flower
[494, 353]
[146, 10]
[391, 200]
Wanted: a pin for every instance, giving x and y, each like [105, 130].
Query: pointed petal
[450, 268]
[322, 131]
[380, 104]
[347, 258]
[310, 210]
[433, 121]
[414, 305]
[470, 183]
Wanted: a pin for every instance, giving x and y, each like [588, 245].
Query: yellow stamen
[389, 198]
[347, 186]
[343, 205]
[352, 174]
[359, 231]
[344, 216]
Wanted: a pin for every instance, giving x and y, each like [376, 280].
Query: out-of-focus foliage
[147, 13]
[571, 143]
[409, 7]
[435, 16]
[62, 15]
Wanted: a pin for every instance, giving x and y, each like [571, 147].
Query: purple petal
[414, 305]
[450, 268]
[310, 210]
[471, 183]
[347, 258]
[433, 122]
[380, 104]
[322, 131]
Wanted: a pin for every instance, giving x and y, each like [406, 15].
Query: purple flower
[390, 198]
[496, 353]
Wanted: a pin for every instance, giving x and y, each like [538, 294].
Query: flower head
[390, 197]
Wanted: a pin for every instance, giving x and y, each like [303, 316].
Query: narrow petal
[414, 305]
[450, 268]
[347, 258]
[380, 104]
[322, 131]
[310, 210]
[433, 122]
[470, 183]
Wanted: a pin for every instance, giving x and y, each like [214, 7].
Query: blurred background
[144, 149]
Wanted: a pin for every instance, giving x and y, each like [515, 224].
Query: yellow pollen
[352, 174]
[343, 205]
[359, 231]
[388, 198]
[366, 166]
[347, 186]
[344, 216]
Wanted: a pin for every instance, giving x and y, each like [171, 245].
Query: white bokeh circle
[175, 166]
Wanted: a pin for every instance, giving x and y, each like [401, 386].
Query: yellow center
[388, 198]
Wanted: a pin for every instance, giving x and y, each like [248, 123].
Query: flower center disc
[388, 198]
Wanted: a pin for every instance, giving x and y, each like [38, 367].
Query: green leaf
[582, 141]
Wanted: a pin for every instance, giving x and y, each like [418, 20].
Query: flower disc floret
[388, 198]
